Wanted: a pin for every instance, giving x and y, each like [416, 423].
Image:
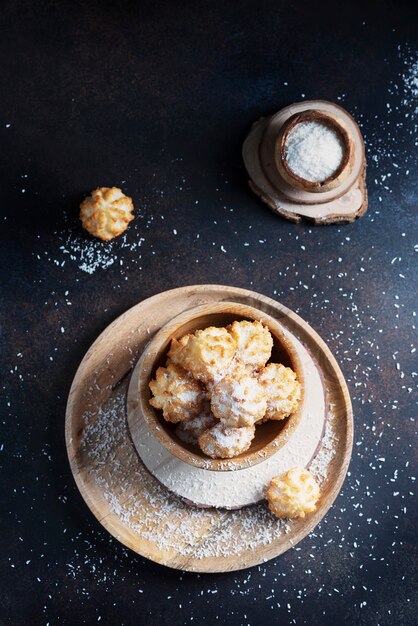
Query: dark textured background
[156, 98]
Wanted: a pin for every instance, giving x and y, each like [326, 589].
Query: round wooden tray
[128, 501]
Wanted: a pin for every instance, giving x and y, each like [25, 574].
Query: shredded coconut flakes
[166, 520]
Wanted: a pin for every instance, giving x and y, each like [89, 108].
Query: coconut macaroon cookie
[106, 212]
[293, 494]
[190, 431]
[226, 442]
[176, 393]
[254, 342]
[282, 389]
[239, 399]
[207, 354]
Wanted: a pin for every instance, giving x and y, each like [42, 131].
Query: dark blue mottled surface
[157, 98]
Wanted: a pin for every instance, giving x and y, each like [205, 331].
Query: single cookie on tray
[293, 494]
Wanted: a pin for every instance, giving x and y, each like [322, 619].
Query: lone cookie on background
[106, 212]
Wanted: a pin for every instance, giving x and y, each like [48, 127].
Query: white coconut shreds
[313, 151]
[90, 254]
[410, 79]
[320, 464]
[166, 521]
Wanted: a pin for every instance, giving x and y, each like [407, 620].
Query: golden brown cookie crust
[106, 213]
[293, 494]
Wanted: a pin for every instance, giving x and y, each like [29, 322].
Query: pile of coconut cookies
[217, 386]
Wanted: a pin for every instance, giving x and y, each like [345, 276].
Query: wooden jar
[340, 198]
[331, 121]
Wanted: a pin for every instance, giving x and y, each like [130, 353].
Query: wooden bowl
[269, 437]
[334, 123]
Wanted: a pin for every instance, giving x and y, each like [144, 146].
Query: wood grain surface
[105, 367]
